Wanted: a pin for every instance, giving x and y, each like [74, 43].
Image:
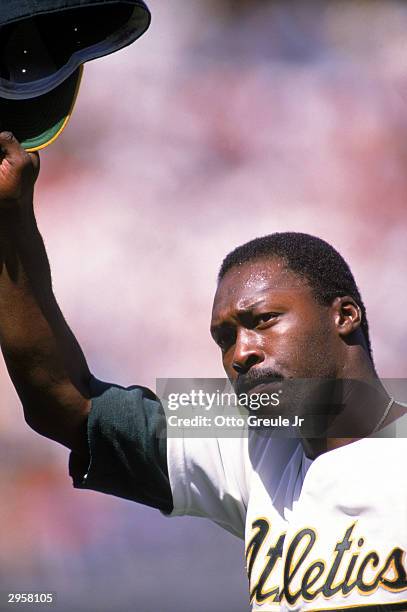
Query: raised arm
[42, 355]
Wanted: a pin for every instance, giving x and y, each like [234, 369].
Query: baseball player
[323, 516]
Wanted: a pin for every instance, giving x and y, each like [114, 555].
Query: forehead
[254, 282]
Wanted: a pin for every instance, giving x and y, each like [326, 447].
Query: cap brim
[38, 122]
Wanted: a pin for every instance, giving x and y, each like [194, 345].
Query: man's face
[270, 327]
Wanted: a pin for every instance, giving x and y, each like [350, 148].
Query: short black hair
[317, 261]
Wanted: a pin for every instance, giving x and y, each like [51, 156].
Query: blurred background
[228, 120]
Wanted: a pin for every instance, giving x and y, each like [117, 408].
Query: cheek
[319, 354]
[303, 349]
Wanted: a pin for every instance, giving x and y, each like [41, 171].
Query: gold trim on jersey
[375, 607]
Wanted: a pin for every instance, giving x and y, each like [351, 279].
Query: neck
[354, 408]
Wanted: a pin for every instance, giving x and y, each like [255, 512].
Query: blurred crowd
[229, 120]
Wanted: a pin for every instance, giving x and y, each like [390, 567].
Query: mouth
[265, 387]
[261, 384]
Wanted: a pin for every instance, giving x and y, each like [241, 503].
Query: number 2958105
[30, 598]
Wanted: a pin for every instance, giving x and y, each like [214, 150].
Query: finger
[9, 145]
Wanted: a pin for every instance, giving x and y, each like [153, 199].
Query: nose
[247, 352]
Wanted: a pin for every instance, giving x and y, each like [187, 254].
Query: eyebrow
[250, 306]
[240, 312]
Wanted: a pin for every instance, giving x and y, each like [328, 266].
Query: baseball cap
[42, 52]
[37, 122]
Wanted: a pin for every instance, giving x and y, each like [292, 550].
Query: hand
[18, 172]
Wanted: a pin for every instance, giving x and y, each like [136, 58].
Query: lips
[256, 383]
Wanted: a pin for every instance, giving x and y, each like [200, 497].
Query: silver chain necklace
[384, 416]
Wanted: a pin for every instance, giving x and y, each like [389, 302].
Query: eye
[226, 339]
[265, 319]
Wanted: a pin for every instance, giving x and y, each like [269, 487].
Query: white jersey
[328, 534]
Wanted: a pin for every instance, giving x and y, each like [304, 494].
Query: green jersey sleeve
[127, 445]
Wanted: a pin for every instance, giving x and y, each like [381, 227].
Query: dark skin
[269, 325]
[42, 355]
[287, 331]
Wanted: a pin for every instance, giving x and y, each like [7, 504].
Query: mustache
[252, 378]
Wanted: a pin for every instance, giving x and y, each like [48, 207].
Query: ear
[348, 315]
